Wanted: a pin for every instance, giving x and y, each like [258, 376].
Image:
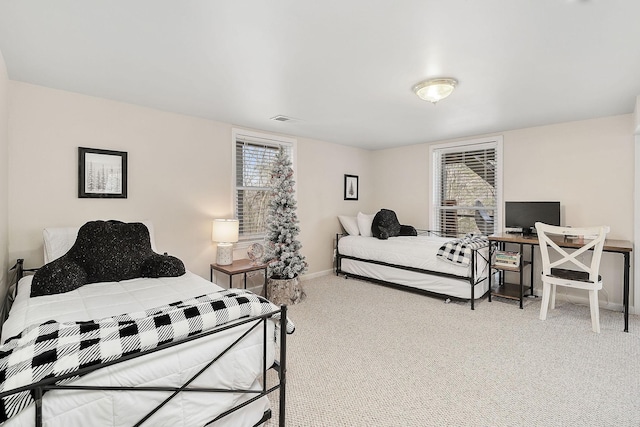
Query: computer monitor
[524, 215]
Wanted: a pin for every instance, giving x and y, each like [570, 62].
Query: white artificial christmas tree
[285, 263]
[282, 247]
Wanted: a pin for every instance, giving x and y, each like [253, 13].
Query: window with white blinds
[466, 182]
[253, 160]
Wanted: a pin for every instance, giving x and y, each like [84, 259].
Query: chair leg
[595, 311]
[546, 291]
[553, 297]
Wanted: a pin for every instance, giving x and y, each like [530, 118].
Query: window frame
[467, 145]
[262, 139]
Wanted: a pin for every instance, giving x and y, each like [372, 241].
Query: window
[466, 187]
[253, 158]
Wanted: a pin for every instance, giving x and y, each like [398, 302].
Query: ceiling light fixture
[435, 89]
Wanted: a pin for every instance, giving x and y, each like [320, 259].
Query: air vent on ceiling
[281, 118]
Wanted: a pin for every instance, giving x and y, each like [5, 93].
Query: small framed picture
[351, 187]
[102, 174]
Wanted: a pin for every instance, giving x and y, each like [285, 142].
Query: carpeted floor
[368, 355]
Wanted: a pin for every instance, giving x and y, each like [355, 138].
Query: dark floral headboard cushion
[105, 251]
[386, 224]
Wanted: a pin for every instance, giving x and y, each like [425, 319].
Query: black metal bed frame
[473, 279]
[279, 366]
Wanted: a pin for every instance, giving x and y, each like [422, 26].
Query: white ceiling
[343, 68]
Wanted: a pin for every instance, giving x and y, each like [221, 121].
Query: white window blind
[465, 189]
[254, 159]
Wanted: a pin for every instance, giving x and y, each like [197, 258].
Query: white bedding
[240, 368]
[411, 251]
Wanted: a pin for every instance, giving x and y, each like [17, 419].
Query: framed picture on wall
[102, 174]
[351, 187]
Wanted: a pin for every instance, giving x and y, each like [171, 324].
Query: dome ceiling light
[435, 89]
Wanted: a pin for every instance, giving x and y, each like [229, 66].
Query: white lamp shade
[225, 230]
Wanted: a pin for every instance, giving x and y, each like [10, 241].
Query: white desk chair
[585, 277]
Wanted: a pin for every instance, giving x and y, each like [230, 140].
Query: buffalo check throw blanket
[52, 348]
[459, 251]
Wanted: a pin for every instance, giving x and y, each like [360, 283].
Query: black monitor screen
[525, 214]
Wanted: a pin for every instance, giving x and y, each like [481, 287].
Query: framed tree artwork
[351, 187]
[102, 174]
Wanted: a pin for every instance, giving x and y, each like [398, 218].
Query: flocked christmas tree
[282, 247]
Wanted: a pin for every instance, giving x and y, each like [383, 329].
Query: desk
[623, 247]
[241, 266]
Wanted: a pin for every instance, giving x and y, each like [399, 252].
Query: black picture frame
[350, 187]
[102, 174]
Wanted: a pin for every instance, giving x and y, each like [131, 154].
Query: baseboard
[575, 299]
[316, 275]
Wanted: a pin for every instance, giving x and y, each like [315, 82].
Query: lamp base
[224, 254]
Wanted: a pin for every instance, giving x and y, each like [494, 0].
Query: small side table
[241, 266]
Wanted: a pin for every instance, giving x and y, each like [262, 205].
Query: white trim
[480, 143]
[634, 285]
[315, 275]
[261, 138]
[455, 145]
[582, 300]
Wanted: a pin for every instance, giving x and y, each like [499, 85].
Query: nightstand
[241, 266]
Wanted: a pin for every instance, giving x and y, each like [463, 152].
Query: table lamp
[225, 232]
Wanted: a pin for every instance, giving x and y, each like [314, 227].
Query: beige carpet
[368, 355]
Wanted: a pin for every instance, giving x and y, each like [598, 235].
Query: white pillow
[350, 224]
[364, 223]
[58, 240]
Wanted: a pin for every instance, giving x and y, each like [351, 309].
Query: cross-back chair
[581, 275]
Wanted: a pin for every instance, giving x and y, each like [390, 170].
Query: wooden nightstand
[241, 266]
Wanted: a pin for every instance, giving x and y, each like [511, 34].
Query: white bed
[240, 368]
[411, 262]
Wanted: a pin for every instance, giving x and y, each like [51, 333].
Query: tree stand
[285, 291]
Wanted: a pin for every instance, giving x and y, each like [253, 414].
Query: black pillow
[385, 224]
[57, 277]
[104, 251]
[162, 266]
[407, 230]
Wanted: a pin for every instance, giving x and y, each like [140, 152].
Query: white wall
[179, 175]
[321, 170]
[587, 165]
[4, 176]
[636, 116]
[636, 260]
[401, 181]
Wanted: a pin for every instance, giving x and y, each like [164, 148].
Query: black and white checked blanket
[459, 251]
[53, 348]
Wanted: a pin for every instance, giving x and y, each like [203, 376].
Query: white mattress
[240, 368]
[411, 251]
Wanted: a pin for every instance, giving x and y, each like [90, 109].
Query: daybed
[204, 360]
[412, 262]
